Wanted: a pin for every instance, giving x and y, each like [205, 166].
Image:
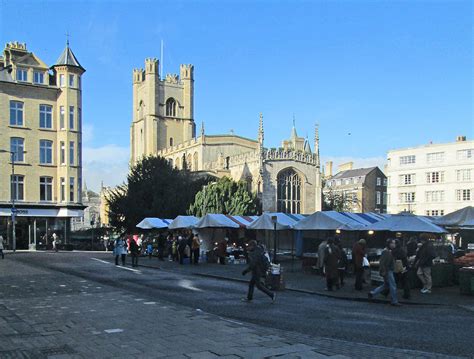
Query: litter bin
[466, 280]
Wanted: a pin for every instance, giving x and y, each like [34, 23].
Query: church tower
[163, 109]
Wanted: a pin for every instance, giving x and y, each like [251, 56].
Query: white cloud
[108, 163]
[359, 162]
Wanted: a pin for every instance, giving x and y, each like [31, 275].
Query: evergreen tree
[225, 196]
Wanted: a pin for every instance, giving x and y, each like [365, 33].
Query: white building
[433, 179]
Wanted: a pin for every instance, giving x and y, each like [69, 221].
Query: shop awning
[283, 221]
[462, 218]
[183, 222]
[154, 223]
[216, 221]
[406, 223]
[329, 220]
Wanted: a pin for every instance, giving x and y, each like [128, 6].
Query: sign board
[470, 246]
[41, 212]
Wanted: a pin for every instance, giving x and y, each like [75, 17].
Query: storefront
[35, 225]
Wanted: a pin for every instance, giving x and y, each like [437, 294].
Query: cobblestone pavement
[48, 313]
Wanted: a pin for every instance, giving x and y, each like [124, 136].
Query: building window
[16, 113]
[38, 77]
[463, 195]
[61, 117]
[71, 117]
[71, 189]
[61, 80]
[21, 75]
[379, 197]
[407, 179]
[379, 181]
[79, 119]
[407, 160]
[196, 162]
[71, 80]
[171, 141]
[171, 107]
[17, 187]
[46, 152]
[78, 82]
[407, 197]
[434, 196]
[465, 154]
[463, 175]
[46, 188]
[385, 181]
[17, 146]
[46, 116]
[288, 192]
[62, 153]
[63, 189]
[435, 157]
[384, 197]
[434, 177]
[71, 153]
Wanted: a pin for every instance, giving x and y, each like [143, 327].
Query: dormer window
[171, 107]
[38, 77]
[21, 75]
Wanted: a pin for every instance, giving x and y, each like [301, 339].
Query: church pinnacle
[260, 130]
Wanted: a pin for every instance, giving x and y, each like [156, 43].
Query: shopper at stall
[256, 266]
[331, 260]
[222, 250]
[161, 245]
[342, 263]
[134, 252]
[182, 243]
[400, 269]
[412, 246]
[120, 250]
[424, 262]
[386, 267]
[358, 254]
[321, 251]
[195, 248]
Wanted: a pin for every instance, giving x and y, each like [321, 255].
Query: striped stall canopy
[242, 221]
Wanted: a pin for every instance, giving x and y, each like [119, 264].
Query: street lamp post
[12, 155]
[274, 220]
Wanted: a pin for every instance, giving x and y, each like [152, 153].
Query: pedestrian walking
[195, 248]
[387, 264]
[401, 269]
[424, 262]
[358, 255]
[222, 250]
[120, 250]
[342, 263]
[134, 252]
[331, 260]
[258, 266]
[2, 246]
[161, 245]
[55, 242]
[149, 249]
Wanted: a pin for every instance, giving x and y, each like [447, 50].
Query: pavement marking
[62, 285]
[111, 331]
[121, 267]
[187, 284]
[231, 321]
[149, 303]
[139, 299]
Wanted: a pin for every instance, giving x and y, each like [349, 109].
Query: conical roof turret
[67, 58]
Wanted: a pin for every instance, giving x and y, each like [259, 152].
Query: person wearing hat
[358, 254]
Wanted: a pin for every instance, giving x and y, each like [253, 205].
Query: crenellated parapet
[177, 148]
[286, 155]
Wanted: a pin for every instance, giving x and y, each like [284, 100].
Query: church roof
[307, 147]
[68, 58]
[358, 172]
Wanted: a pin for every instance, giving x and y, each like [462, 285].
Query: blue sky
[391, 73]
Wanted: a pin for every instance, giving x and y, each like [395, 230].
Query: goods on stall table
[465, 261]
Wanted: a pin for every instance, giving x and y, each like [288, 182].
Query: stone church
[287, 179]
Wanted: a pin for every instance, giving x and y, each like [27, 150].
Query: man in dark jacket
[331, 260]
[255, 266]
[386, 267]
[134, 251]
[358, 254]
[424, 262]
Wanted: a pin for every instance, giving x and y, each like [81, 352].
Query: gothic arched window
[288, 191]
[171, 107]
